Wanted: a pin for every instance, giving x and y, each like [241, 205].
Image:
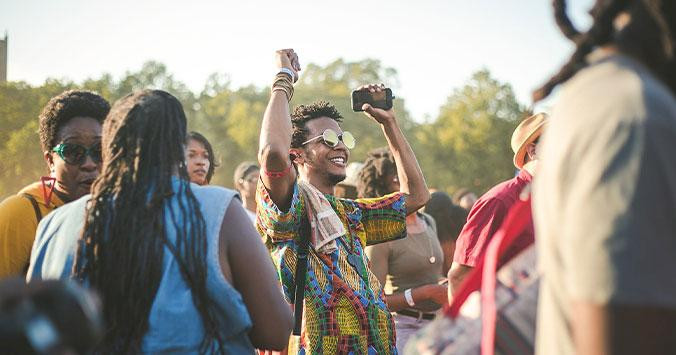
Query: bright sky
[434, 45]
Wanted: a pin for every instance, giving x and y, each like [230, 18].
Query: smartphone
[382, 99]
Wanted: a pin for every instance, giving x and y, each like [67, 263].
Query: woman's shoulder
[213, 193]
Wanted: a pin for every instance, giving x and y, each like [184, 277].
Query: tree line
[465, 145]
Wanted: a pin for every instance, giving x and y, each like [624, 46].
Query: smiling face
[320, 164]
[75, 180]
[197, 160]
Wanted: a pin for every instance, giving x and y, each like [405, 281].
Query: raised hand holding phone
[379, 110]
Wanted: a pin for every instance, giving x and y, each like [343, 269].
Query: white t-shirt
[605, 196]
[252, 216]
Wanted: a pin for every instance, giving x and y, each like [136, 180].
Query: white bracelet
[409, 297]
[289, 72]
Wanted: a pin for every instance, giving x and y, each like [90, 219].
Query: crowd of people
[313, 254]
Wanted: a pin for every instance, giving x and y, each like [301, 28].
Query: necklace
[420, 218]
[432, 259]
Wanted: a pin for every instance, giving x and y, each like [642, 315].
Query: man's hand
[379, 115]
[287, 58]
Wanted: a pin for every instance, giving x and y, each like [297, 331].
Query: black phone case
[361, 97]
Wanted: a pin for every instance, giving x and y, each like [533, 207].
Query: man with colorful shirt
[489, 211]
[302, 157]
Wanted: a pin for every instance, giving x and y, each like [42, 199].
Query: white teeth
[338, 160]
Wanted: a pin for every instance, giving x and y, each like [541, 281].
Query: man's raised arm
[277, 172]
[411, 180]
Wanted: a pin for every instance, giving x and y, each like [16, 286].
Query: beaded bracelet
[277, 174]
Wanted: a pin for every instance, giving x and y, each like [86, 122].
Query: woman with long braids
[605, 196]
[179, 268]
[410, 268]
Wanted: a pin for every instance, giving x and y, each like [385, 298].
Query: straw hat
[528, 131]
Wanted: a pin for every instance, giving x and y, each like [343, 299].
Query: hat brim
[520, 155]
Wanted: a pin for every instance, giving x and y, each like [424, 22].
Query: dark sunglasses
[331, 138]
[75, 154]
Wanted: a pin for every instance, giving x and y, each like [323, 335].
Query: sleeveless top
[175, 325]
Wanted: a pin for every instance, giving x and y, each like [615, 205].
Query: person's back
[162, 252]
[54, 252]
[604, 205]
[614, 113]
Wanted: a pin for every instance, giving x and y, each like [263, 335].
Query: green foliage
[335, 82]
[467, 144]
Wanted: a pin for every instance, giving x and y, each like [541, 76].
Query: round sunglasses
[75, 154]
[331, 138]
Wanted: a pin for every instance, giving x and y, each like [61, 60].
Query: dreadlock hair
[371, 180]
[61, 108]
[304, 113]
[450, 217]
[122, 245]
[196, 136]
[649, 36]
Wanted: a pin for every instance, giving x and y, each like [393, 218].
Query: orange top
[18, 223]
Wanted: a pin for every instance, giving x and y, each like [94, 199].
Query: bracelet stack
[283, 82]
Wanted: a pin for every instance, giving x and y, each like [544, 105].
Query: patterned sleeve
[273, 223]
[383, 218]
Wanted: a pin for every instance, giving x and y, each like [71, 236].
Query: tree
[468, 145]
[335, 82]
[21, 159]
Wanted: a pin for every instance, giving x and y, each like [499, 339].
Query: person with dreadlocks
[70, 136]
[178, 266]
[317, 240]
[605, 197]
[409, 269]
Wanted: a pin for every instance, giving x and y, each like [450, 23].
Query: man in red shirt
[489, 211]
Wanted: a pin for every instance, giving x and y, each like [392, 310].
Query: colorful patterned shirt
[345, 309]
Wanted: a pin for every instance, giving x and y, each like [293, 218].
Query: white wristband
[289, 72]
[409, 297]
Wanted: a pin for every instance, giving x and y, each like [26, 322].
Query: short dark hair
[450, 217]
[305, 113]
[370, 181]
[210, 151]
[65, 106]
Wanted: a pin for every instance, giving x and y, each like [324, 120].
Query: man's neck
[320, 185]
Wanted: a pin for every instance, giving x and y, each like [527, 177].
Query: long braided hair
[648, 36]
[122, 245]
[371, 180]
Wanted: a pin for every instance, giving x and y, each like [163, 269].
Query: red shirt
[487, 216]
